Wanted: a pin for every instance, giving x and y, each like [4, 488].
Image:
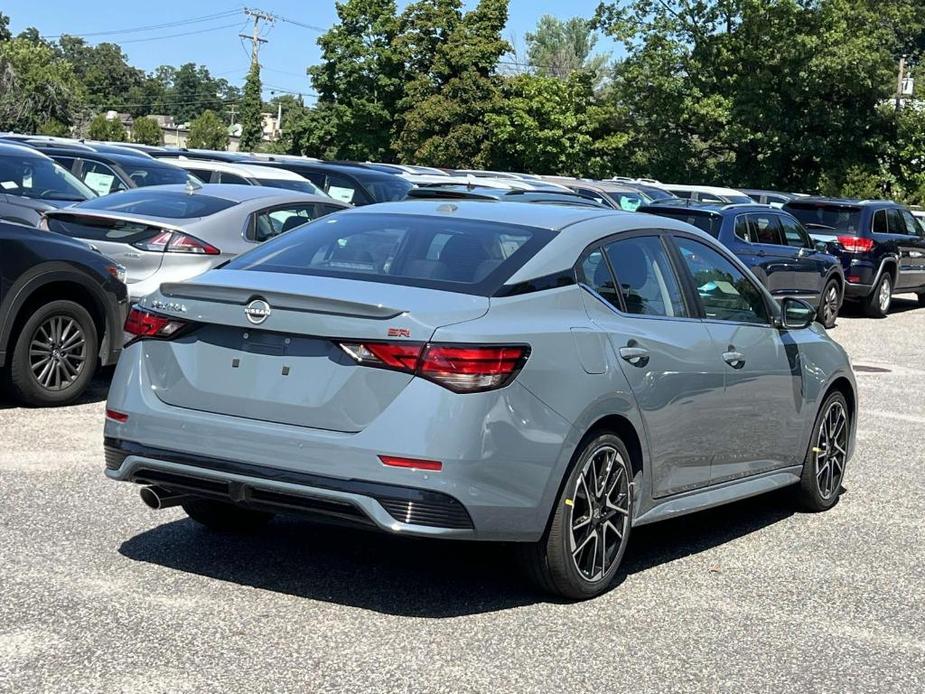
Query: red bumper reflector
[392, 461]
[854, 279]
[120, 417]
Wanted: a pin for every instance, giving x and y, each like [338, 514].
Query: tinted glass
[458, 255]
[40, 178]
[738, 199]
[160, 203]
[101, 229]
[343, 189]
[596, 274]
[743, 228]
[912, 226]
[101, 178]
[386, 188]
[704, 221]
[709, 197]
[686, 194]
[725, 293]
[144, 174]
[301, 186]
[233, 179]
[646, 279]
[895, 221]
[270, 223]
[880, 225]
[794, 234]
[823, 216]
[203, 175]
[766, 229]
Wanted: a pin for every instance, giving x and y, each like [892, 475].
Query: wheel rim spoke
[831, 450]
[57, 352]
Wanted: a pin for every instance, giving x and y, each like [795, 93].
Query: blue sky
[290, 49]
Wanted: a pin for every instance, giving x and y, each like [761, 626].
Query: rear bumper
[857, 291]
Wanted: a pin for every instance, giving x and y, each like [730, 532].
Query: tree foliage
[106, 129]
[558, 48]
[252, 111]
[146, 131]
[103, 70]
[207, 131]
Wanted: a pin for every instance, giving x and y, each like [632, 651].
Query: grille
[444, 513]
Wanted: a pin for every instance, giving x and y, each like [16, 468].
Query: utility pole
[899, 82]
[232, 115]
[256, 16]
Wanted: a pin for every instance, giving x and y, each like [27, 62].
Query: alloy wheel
[57, 352]
[886, 295]
[830, 304]
[831, 450]
[599, 516]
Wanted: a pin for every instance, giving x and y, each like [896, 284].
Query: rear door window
[100, 177]
[467, 256]
[646, 280]
[767, 229]
[278, 220]
[912, 226]
[743, 228]
[345, 190]
[794, 234]
[596, 274]
[230, 178]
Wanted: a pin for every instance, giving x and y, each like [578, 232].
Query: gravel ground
[97, 593]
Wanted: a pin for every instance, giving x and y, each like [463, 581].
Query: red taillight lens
[413, 463]
[856, 244]
[142, 324]
[471, 369]
[116, 416]
[462, 369]
[176, 242]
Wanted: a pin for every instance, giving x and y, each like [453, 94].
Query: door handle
[760, 253]
[637, 356]
[735, 359]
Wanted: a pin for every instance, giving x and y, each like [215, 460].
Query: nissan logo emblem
[257, 311]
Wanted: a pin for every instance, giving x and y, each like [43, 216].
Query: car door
[758, 424]
[665, 353]
[810, 266]
[775, 260]
[911, 253]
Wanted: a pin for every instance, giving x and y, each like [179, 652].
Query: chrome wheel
[886, 294]
[831, 450]
[57, 352]
[830, 305]
[599, 517]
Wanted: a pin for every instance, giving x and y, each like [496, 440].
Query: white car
[728, 196]
[245, 174]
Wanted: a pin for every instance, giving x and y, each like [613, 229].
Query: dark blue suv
[880, 244]
[774, 245]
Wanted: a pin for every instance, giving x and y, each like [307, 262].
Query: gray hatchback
[545, 375]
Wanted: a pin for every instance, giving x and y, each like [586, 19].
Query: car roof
[327, 166]
[251, 170]
[715, 190]
[716, 208]
[126, 159]
[11, 148]
[846, 202]
[234, 192]
[764, 191]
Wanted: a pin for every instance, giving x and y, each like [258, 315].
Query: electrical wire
[185, 33]
[154, 27]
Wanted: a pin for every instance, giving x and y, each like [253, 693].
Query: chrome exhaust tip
[157, 498]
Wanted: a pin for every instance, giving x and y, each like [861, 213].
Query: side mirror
[822, 247]
[796, 314]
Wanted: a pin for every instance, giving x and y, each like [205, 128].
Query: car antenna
[470, 181]
[192, 186]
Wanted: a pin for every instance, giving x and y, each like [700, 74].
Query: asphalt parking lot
[99, 593]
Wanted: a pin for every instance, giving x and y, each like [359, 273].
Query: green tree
[359, 84]
[193, 91]
[146, 131]
[103, 70]
[560, 47]
[105, 129]
[252, 111]
[5, 34]
[54, 128]
[36, 87]
[207, 131]
[445, 123]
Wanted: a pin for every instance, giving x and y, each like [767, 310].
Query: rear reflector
[144, 324]
[392, 461]
[115, 416]
[460, 368]
[854, 279]
[856, 244]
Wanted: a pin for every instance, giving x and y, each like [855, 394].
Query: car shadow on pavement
[900, 304]
[97, 391]
[411, 577]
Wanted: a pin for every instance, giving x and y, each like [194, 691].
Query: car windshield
[386, 188]
[160, 203]
[704, 221]
[144, 174]
[826, 216]
[40, 178]
[301, 186]
[467, 256]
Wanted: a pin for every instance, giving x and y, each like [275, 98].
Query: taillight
[176, 242]
[412, 463]
[856, 244]
[144, 324]
[460, 368]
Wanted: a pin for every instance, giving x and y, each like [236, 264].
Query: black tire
[817, 490]
[829, 303]
[922, 300]
[66, 332]
[219, 515]
[550, 562]
[874, 304]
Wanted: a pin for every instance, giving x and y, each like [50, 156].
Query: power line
[153, 27]
[320, 30]
[255, 38]
[184, 33]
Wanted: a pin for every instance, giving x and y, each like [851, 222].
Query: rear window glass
[301, 186]
[100, 229]
[472, 257]
[823, 216]
[705, 222]
[160, 203]
[144, 174]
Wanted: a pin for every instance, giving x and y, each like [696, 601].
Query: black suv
[62, 306]
[774, 245]
[880, 244]
[358, 185]
[107, 173]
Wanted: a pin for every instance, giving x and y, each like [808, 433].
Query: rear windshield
[825, 216]
[170, 204]
[301, 186]
[460, 255]
[709, 223]
[100, 228]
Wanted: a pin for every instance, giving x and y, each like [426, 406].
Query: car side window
[794, 233]
[743, 228]
[708, 197]
[686, 194]
[204, 175]
[880, 225]
[645, 277]
[767, 229]
[596, 274]
[100, 178]
[343, 189]
[278, 220]
[911, 226]
[233, 179]
[724, 291]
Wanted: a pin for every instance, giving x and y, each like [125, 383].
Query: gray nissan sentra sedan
[545, 375]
